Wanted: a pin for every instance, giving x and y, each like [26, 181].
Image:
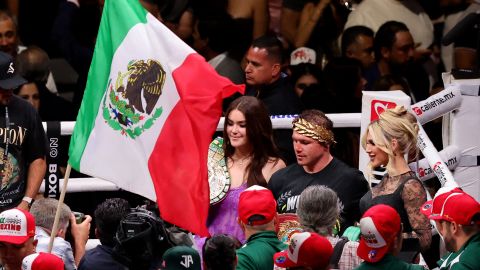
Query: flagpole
[57, 214]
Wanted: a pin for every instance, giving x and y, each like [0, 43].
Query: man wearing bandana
[312, 138]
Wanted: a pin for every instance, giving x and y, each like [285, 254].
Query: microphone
[469, 21]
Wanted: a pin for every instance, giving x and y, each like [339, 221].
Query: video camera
[141, 239]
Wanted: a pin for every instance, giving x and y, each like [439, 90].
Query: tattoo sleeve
[414, 196]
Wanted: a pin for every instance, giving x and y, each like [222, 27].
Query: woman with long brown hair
[245, 156]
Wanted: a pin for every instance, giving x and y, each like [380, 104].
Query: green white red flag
[150, 108]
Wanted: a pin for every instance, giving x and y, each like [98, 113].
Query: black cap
[9, 79]
[181, 257]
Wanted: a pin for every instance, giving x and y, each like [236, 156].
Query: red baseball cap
[306, 249]
[16, 226]
[443, 193]
[378, 226]
[454, 205]
[42, 261]
[256, 206]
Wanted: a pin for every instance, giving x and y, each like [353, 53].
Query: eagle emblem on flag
[129, 104]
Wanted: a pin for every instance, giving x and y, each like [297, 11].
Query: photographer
[143, 237]
[107, 218]
[44, 212]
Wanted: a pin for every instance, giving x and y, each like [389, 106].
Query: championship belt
[287, 225]
[218, 176]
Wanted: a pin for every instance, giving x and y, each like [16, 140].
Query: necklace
[242, 160]
[5, 151]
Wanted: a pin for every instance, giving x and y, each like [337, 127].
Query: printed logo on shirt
[287, 203]
[15, 135]
[9, 176]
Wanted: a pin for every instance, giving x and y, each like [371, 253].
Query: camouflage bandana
[313, 131]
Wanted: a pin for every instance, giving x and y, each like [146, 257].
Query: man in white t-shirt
[374, 13]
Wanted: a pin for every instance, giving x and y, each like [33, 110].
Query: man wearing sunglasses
[394, 53]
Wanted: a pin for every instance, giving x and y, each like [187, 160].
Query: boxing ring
[459, 104]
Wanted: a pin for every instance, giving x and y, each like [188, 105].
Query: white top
[374, 13]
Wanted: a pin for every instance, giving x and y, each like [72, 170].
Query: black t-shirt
[27, 142]
[350, 185]
[278, 97]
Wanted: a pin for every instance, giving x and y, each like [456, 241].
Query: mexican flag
[150, 108]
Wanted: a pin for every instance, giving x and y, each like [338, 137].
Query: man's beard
[449, 243]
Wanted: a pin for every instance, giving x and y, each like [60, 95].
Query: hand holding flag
[150, 108]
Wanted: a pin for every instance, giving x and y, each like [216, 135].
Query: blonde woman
[387, 141]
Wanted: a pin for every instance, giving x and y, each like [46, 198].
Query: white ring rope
[340, 120]
[427, 110]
